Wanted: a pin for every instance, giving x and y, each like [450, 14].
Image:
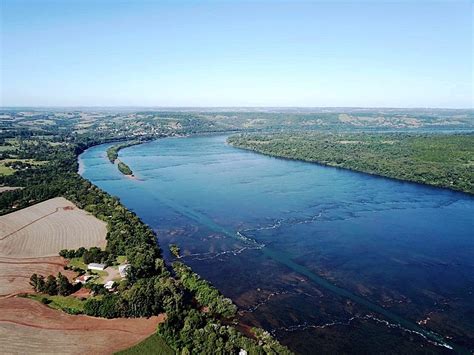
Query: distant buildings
[98, 267]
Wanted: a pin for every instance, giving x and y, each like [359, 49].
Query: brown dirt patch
[15, 272]
[28, 327]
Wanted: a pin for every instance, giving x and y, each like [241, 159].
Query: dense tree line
[204, 292]
[52, 286]
[443, 160]
[91, 255]
[112, 152]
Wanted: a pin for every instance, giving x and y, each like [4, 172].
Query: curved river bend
[321, 257]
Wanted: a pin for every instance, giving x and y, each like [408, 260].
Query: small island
[112, 154]
[125, 169]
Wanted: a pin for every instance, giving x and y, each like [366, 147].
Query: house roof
[96, 265]
[109, 284]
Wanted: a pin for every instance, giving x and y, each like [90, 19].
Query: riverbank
[440, 160]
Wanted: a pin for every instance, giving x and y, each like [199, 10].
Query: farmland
[41, 328]
[31, 240]
[46, 228]
[15, 272]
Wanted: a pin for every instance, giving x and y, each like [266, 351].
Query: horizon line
[231, 107]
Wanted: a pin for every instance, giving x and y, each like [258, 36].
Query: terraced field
[47, 227]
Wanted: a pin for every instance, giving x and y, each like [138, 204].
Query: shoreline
[374, 175]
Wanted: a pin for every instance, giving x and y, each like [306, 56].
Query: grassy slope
[69, 304]
[151, 345]
[438, 160]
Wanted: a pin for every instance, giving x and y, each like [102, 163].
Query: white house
[82, 279]
[242, 352]
[108, 285]
[94, 266]
[123, 269]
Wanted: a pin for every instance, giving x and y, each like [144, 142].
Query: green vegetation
[121, 259]
[174, 249]
[6, 170]
[124, 168]
[68, 304]
[77, 263]
[443, 160]
[204, 292]
[52, 285]
[112, 152]
[151, 345]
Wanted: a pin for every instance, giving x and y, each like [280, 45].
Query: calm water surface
[321, 257]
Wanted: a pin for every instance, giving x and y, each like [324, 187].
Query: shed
[94, 266]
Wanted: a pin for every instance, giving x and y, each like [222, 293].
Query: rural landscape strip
[153, 287]
[128, 236]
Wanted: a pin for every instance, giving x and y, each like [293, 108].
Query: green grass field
[121, 259]
[68, 304]
[77, 262]
[5, 170]
[151, 345]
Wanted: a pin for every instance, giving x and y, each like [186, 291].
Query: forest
[442, 160]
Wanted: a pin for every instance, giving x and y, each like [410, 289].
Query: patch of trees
[174, 249]
[204, 293]
[124, 168]
[194, 332]
[112, 152]
[52, 286]
[72, 253]
[91, 255]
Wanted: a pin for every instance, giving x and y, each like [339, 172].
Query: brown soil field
[15, 272]
[28, 327]
[47, 227]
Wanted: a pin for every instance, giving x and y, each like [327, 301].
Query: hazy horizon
[236, 54]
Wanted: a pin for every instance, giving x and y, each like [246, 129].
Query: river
[324, 258]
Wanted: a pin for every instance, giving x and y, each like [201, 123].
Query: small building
[108, 285]
[242, 352]
[123, 269]
[94, 266]
[82, 279]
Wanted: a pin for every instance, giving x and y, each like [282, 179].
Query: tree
[51, 287]
[41, 284]
[65, 288]
[174, 250]
[34, 281]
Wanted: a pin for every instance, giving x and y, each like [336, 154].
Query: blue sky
[236, 53]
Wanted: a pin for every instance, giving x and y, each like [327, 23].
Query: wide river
[324, 258]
